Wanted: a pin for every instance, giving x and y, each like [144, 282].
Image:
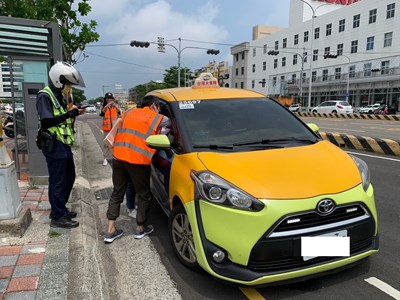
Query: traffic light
[161, 44]
[273, 52]
[140, 44]
[263, 82]
[328, 55]
[213, 51]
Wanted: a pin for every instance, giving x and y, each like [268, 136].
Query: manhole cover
[103, 194]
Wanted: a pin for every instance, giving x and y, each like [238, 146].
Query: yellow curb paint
[251, 293]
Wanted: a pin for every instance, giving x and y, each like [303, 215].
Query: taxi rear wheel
[181, 236]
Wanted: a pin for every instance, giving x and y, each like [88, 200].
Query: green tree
[171, 76]
[78, 95]
[76, 34]
[142, 89]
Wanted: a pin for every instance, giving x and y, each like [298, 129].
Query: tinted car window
[227, 122]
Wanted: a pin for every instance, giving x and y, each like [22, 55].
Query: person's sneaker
[110, 237]
[63, 223]
[72, 214]
[146, 231]
[105, 162]
[132, 213]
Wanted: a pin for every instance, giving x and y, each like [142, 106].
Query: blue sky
[209, 24]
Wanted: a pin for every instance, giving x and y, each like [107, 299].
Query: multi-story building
[349, 49]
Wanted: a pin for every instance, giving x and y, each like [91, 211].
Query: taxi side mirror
[314, 127]
[158, 141]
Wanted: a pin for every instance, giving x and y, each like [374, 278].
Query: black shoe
[72, 214]
[64, 223]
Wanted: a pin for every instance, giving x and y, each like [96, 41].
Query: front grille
[297, 262]
[313, 219]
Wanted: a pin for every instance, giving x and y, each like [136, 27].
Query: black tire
[334, 112]
[9, 133]
[314, 111]
[181, 237]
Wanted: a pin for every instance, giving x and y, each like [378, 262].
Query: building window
[282, 78]
[264, 65]
[315, 55]
[372, 16]
[236, 85]
[237, 56]
[276, 45]
[293, 78]
[305, 57]
[354, 46]
[243, 55]
[370, 42]
[338, 73]
[283, 61]
[254, 68]
[273, 81]
[385, 67]
[275, 63]
[388, 39]
[367, 69]
[305, 36]
[327, 50]
[254, 51]
[253, 84]
[328, 29]
[314, 76]
[339, 49]
[294, 59]
[303, 77]
[356, 21]
[284, 42]
[324, 75]
[316, 33]
[390, 11]
[342, 24]
[242, 85]
[237, 71]
[296, 39]
[352, 71]
[242, 70]
[265, 48]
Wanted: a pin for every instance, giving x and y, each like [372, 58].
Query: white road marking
[374, 156]
[384, 287]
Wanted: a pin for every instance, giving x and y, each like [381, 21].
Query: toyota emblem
[325, 207]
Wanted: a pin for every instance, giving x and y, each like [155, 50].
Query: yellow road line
[251, 293]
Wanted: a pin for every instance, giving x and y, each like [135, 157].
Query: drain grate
[103, 194]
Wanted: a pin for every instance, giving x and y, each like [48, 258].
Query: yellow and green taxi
[247, 185]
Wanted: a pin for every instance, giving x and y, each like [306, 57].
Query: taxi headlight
[212, 188]
[364, 172]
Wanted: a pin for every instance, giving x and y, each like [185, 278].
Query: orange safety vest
[136, 126]
[109, 118]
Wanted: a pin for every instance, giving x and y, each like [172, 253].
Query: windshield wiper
[269, 141]
[213, 147]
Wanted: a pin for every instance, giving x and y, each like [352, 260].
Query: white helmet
[62, 72]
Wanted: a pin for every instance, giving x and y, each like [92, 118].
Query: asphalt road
[359, 282]
[372, 128]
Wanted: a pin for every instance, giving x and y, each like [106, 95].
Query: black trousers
[140, 176]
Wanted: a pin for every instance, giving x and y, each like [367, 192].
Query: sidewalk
[22, 259]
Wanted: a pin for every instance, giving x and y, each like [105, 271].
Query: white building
[364, 34]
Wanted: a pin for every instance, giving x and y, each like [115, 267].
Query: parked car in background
[9, 109]
[295, 107]
[90, 109]
[369, 109]
[334, 107]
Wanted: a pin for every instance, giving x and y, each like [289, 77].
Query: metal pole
[301, 77]
[348, 78]
[179, 64]
[311, 59]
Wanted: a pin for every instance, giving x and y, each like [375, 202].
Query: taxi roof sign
[205, 80]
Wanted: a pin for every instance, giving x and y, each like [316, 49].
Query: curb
[363, 143]
[350, 116]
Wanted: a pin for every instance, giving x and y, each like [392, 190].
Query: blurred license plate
[330, 244]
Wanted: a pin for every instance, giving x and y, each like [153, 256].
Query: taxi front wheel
[181, 237]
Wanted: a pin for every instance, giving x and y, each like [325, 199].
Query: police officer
[57, 114]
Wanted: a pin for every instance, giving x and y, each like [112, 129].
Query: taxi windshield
[242, 122]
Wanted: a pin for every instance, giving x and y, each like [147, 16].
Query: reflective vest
[109, 118]
[64, 130]
[136, 126]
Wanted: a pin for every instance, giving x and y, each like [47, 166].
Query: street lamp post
[312, 50]
[178, 50]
